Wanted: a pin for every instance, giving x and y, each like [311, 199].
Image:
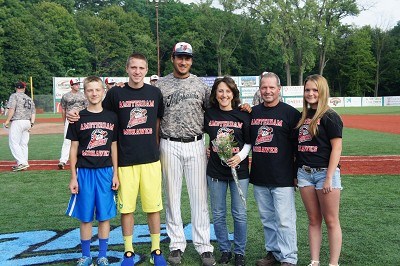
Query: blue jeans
[276, 206]
[218, 191]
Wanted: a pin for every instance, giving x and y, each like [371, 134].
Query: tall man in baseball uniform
[73, 99]
[20, 118]
[183, 154]
[273, 139]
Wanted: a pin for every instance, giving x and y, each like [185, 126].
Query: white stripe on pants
[18, 140]
[186, 159]
[66, 145]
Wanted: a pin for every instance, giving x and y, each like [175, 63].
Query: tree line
[293, 38]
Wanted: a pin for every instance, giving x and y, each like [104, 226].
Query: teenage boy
[94, 178]
[139, 107]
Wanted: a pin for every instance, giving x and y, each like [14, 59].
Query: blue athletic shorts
[95, 195]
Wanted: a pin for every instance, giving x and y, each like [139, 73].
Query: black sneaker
[61, 165]
[239, 260]
[225, 257]
[207, 258]
[175, 257]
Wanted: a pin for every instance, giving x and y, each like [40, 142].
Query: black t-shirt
[274, 140]
[315, 152]
[138, 111]
[233, 122]
[95, 133]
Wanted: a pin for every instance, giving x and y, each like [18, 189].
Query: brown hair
[136, 56]
[232, 86]
[91, 79]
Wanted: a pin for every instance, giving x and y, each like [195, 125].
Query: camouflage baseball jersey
[71, 101]
[23, 105]
[184, 102]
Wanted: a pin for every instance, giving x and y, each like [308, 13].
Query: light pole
[66, 73]
[158, 39]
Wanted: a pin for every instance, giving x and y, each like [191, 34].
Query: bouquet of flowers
[223, 144]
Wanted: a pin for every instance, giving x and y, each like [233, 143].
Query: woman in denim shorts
[319, 150]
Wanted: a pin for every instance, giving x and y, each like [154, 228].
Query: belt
[185, 140]
[309, 169]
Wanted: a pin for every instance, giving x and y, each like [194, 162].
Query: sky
[380, 13]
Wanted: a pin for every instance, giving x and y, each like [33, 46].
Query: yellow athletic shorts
[143, 178]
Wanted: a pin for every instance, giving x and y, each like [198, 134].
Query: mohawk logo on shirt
[224, 131]
[304, 134]
[264, 134]
[97, 139]
[137, 116]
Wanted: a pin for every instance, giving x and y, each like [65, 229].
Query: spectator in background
[20, 118]
[257, 99]
[2, 108]
[153, 79]
[73, 99]
[110, 82]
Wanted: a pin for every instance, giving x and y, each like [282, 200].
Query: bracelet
[32, 124]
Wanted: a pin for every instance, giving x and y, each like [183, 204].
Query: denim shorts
[316, 178]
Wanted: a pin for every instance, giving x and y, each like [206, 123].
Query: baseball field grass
[36, 200]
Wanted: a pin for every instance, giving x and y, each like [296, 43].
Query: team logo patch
[264, 134]
[224, 131]
[137, 116]
[304, 134]
[97, 139]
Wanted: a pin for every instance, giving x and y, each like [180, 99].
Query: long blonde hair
[322, 107]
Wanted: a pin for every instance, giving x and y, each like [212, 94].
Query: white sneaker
[20, 167]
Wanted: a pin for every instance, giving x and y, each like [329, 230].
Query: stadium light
[156, 2]
[66, 73]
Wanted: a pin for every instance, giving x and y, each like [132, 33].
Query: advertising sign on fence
[296, 102]
[352, 101]
[336, 102]
[292, 91]
[391, 101]
[371, 101]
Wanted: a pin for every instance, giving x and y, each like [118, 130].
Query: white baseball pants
[18, 139]
[66, 145]
[187, 160]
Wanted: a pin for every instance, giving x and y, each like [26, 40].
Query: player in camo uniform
[183, 154]
[71, 100]
[20, 119]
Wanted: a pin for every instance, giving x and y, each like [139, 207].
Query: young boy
[94, 175]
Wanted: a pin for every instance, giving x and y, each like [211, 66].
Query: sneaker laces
[103, 260]
[81, 261]
[314, 261]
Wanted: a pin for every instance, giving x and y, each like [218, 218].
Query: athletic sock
[85, 244]
[155, 241]
[103, 246]
[128, 243]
